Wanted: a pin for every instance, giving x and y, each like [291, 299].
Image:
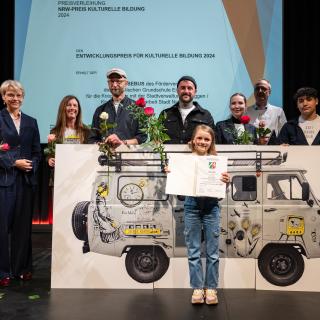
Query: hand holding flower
[51, 162]
[109, 142]
[241, 136]
[263, 133]
[114, 140]
[51, 148]
[151, 125]
[263, 140]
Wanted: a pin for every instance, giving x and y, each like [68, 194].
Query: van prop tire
[281, 265]
[79, 220]
[146, 264]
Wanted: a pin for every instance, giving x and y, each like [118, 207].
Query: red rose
[4, 147]
[141, 102]
[245, 119]
[149, 111]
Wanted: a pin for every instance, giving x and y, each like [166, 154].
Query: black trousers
[16, 205]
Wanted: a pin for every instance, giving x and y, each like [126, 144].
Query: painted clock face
[131, 195]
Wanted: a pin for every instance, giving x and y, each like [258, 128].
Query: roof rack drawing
[235, 158]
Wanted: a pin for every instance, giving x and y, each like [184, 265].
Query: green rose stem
[152, 126]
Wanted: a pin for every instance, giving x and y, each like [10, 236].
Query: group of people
[186, 122]
[186, 114]
[182, 118]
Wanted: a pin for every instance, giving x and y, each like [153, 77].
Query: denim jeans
[202, 214]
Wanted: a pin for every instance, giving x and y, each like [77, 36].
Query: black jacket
[224, 131]
[291, 133]
[25, 145]
[180, 133]
[127, 127]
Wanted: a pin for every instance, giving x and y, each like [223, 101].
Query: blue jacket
[25, 145]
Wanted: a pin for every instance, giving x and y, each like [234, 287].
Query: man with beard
[264, 114]
[186, 114]
[127, 129]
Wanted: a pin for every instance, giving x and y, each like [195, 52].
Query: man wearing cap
[263, 113]
[186, 114]
[127, 128]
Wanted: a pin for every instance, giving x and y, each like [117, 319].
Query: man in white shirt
[271, 116]
[306, 129]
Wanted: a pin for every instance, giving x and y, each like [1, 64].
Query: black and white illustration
[270, 215]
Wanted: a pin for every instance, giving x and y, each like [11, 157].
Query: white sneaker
[211, 296]
[197, 296]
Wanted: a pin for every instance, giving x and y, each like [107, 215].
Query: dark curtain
[301, 25]
[301, 35]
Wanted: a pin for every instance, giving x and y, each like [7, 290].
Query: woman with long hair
[69, 127]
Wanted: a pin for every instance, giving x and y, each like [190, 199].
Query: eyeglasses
[116, 81]
[263, 89]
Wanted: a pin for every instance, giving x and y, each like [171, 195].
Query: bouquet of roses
[242, 136]
[151, 125]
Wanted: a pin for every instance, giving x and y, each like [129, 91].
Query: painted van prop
[269, 213]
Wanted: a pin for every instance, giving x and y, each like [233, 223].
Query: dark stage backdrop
[301, 26]
[301, 63]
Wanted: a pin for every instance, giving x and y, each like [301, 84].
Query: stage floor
[35, 300]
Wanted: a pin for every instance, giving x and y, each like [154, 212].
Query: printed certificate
[192, 175]
[208, 176]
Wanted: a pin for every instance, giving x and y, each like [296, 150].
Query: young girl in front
[203, 213]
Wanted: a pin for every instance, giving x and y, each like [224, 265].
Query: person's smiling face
[72, 109]
[237, 106]
[13, 99]
[202, 142]
[186, 91]
[262, 92]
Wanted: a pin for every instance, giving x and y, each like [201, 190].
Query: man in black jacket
[127, 129]
[306, 129]
[186, 114]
